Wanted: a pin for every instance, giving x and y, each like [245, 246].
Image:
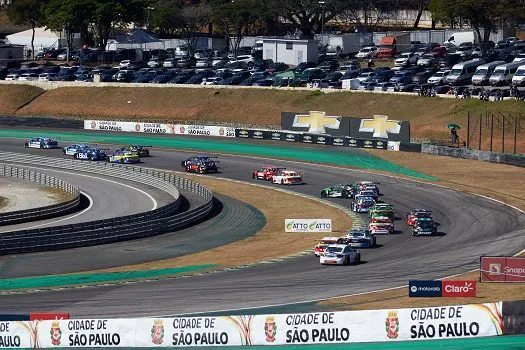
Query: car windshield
[327, 242]
[425, 224]
[481, 71]
[455, 71]
[333, 250]
[520, 73]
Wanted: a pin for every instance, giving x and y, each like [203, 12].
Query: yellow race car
[124, 158]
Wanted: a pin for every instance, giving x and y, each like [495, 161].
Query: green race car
[337, 191]
[382, 210]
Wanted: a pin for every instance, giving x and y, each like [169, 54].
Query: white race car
[381, 225]
[340, 254]
[287, 177]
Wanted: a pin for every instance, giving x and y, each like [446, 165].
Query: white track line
[155, 204]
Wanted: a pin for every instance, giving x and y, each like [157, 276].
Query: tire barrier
[151, 223]
[40, 213]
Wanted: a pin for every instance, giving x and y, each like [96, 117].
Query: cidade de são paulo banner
[447, 322]
[159, 128]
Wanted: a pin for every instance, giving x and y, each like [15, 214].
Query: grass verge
[57, 194]
[3, 202]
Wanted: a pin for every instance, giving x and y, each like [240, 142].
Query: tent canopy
[43, 38]
[138, 36]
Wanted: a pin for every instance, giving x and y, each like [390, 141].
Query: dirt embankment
[428, 116]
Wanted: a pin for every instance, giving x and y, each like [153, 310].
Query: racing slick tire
[26, 144]
[358, 260]
[121, 160]
[40, 146]
[282, 182]
[323, 194]
[253, 176]
[344, 194]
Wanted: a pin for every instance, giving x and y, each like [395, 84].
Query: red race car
[415, 214]
[325, 242]
[266, 173]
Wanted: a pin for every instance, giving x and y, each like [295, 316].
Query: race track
[471, 226]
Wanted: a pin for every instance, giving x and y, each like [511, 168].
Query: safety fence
[390, 325]
[154, 222]
[44, 212]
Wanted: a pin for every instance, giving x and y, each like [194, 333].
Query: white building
[291, 51]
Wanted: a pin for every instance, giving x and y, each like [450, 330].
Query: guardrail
[44, 212]
[160, 220]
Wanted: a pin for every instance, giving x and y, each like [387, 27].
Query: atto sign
[502, 269]
[308, 225]
[458, 288]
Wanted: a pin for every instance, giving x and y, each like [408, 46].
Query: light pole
[321, 5]
[147, 18]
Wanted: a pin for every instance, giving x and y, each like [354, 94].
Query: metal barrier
[44, 212]
[160, 220]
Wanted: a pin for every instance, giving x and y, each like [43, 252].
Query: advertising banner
[458, 288]
[109, 125]
[393, 146]
[82, 333]
[424, 288]
[502, 269]
[17, 334]
[204, 130]
[321, 123]
[40, 316]
[308, 225]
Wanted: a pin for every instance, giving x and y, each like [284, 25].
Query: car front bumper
[331, 261]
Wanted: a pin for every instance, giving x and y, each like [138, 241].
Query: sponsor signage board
[458, 288]
[159, 128]
[445, 322]
[424, 288]
[393, 146]
[308, 225]
[502, 269]
[319, 122]
[33, 316]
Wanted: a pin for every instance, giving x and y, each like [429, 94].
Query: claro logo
[467, 287]
[459, 288]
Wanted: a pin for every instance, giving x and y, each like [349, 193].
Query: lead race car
[340, 254]
[266, 173]
[424, 227]
[41, 142]
[337, 191]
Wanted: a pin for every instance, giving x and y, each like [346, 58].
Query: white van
[503, 74]
[519, 76]
[462, 37]
[482, 74]
[462, 72]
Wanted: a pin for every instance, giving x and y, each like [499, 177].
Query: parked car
[367, 52]
[439, 77]
[406, 59]
[304, 65]
[402, 77]
[428, 60]
[422, 77]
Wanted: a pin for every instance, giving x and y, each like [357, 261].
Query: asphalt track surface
[470, 226]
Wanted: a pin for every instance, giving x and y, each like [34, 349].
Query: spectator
[454, 136]
[370, 63]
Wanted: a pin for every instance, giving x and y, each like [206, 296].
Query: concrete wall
[484, 156]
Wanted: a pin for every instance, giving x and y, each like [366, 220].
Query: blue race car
[41, 142]
[196, 159]
[71, 150]
[91, 154]
[362, 204]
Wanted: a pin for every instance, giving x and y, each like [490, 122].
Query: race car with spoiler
[367, 193]
[287, 177]
[382, 210]
[381, 225]
[325, 242]
[195, 159]
[266, 173]
[124, 158]
[340, 254]
[337, 191]
[91, 154]
[71, 150]
[366, 185]
[360, 238]
[424, 227]
[415, 214]
[142, 151]
[362, 204]
[41, 142]
[202, 167]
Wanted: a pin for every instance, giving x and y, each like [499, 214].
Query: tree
[193, 19]
[106, 13]
[309, 16]
[165, 16]
[68, 16]
[236, 18]
[422, 5]
[27, 12]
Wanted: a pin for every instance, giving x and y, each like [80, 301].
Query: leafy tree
[165, 16]
[193, 19]
[237, 18]
[69, 16]
[106, 13]
[370, 13]
[27, 12]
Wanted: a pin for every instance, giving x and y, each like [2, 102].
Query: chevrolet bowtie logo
[380, 126]
[317, 122]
